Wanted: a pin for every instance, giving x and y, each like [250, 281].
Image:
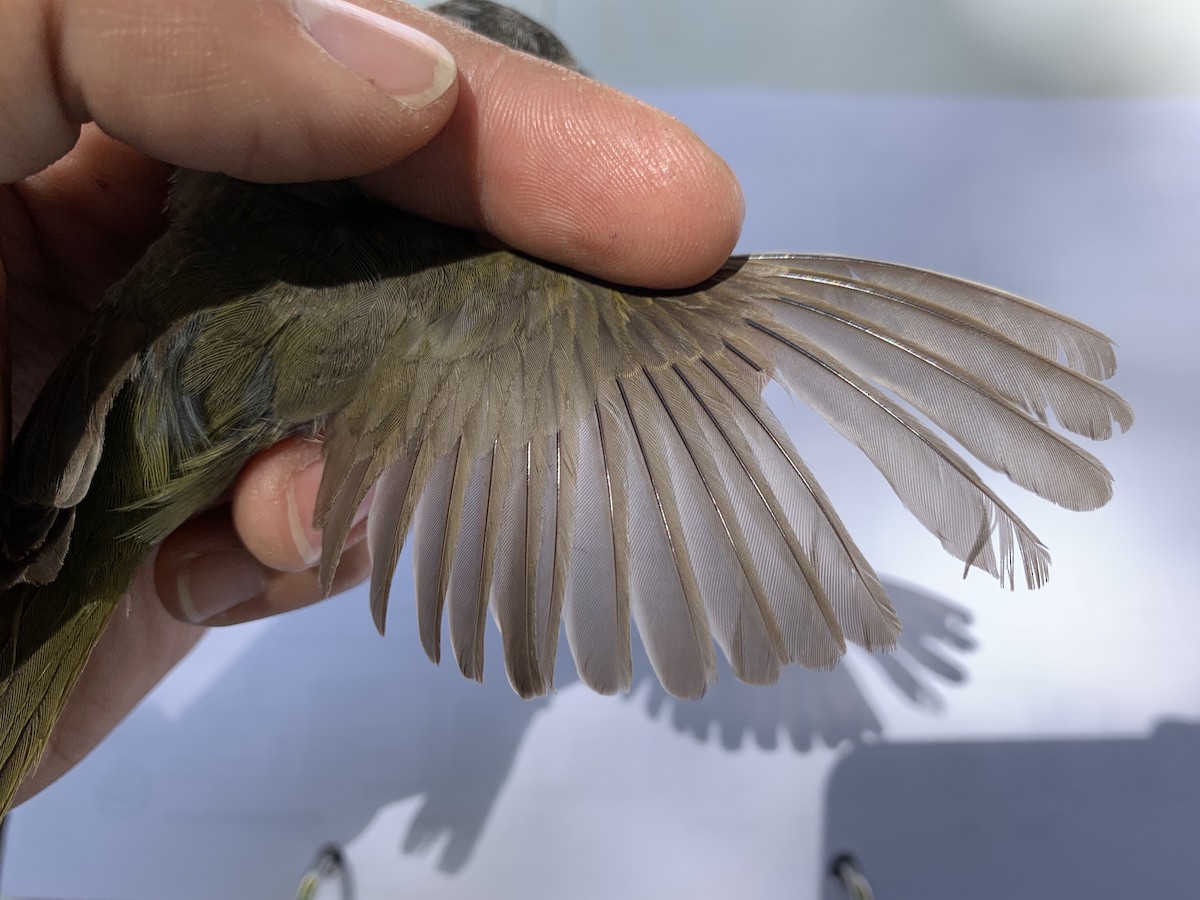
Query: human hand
[543, 159]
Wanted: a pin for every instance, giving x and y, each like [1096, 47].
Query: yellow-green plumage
[567, 452]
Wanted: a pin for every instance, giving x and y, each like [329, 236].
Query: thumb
[265, 90]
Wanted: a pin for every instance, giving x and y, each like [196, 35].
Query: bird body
[568, 454]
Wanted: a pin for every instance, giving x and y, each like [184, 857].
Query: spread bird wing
[568, 453]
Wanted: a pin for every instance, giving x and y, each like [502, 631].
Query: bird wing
[571, 453]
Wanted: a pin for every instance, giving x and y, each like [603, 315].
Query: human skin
[102, 98]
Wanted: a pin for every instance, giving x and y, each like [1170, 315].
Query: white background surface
[1033, 770]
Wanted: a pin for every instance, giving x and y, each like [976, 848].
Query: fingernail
[398, 59]
[302, 494]
[217, 582]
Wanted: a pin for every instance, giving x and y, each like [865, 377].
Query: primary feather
[573, 455]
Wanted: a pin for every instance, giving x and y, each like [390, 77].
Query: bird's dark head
[509, 27]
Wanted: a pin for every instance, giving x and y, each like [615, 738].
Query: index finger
[567, 169]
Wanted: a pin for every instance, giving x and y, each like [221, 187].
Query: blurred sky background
[1086, 48]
